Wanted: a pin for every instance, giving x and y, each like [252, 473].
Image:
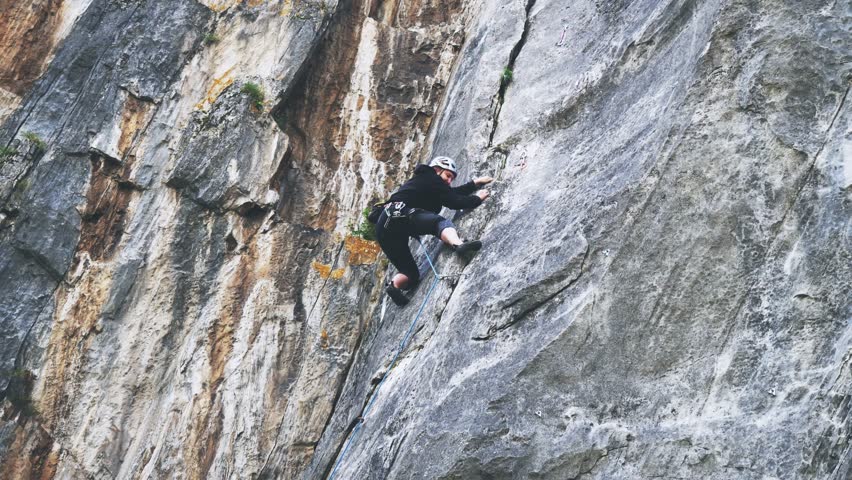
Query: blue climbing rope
[402, 345]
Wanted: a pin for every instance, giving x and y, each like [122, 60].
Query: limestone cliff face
[665, 289]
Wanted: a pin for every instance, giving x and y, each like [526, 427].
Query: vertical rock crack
[505, 78]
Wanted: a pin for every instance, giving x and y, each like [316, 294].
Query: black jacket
[428, 191]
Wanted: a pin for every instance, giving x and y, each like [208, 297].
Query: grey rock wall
[108, 58]
[665, 286]
[664, 290]
[183, 297]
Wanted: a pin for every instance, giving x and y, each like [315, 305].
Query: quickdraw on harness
[396, 214]
[402, 346]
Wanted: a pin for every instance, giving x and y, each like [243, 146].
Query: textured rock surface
[665, 290]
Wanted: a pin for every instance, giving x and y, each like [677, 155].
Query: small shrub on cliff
[35, 140]
[6, 152]
[211, 38]
[506, 76]
[365, 230]
[255, 93]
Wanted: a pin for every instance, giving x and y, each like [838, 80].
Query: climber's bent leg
[400, 280]
[450, 236]
[395, 246]
[430, 223]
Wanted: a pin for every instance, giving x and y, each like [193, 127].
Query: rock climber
[413, 210]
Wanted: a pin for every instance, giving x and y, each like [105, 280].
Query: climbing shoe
[396, 295]
[468, 247]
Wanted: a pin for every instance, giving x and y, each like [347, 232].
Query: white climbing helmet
[446, 163]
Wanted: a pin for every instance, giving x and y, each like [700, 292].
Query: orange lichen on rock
[325, 271]
[321, 268]
[361, 252]
[219, 85]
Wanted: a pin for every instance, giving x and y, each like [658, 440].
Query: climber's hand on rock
[482, 181]
[483, 194]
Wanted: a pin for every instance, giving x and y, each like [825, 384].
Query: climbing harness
[402, 346]
[396, 214]
[375, 212]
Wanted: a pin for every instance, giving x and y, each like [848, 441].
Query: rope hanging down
[402, 345]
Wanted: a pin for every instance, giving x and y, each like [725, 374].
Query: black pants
[393, 238]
